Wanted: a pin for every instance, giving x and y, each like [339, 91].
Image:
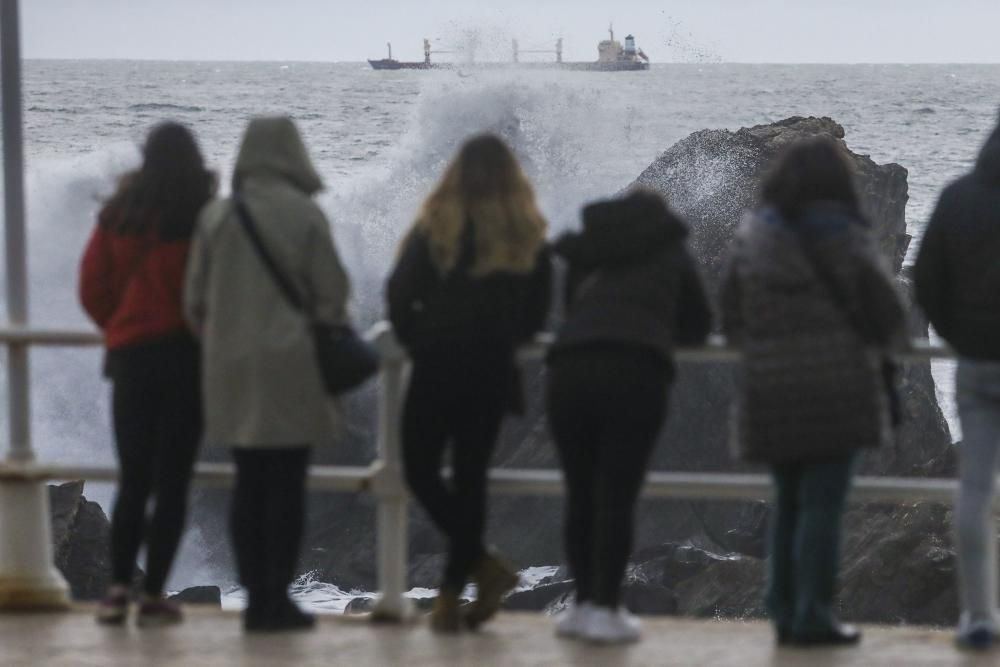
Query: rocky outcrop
[210, 596]
[81, 540]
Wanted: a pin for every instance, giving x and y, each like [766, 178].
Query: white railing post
[28, 578]
[392, 543]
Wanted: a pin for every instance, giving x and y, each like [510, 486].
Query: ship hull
[387, 64]
[598, 66]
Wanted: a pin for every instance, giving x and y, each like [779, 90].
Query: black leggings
[156, 407]
[458, 399]
[266, 520]
[606, 406]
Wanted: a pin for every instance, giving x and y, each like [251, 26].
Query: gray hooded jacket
[261, 384]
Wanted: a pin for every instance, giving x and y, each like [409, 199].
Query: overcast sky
[669, 31]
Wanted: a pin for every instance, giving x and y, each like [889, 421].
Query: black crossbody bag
[345, 360]
[890, 369]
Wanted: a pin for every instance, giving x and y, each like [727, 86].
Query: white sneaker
[604, 625]
[573, 619]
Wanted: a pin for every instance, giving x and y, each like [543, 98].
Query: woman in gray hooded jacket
[263, 394]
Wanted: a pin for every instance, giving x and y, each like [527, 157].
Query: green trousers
[805, 542]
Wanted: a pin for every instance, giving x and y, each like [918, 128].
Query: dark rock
[81, 537]
[729, 588]
[426, 570]
[360, 606]
[645, 598]
[200, 595]
[670, 564]
[539, 598]
[899, 565]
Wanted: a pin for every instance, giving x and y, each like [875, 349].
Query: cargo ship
[612, 56]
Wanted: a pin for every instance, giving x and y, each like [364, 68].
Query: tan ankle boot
[445, 615]
[494, 579]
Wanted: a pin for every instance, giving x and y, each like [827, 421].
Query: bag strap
[283, 283]
[828, 280]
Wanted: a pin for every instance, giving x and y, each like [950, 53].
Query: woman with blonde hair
[470, 285]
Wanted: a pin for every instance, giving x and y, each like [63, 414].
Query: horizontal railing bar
[347, 479]
[731, 486]
[47, 337]
[715, 349]
[547, 482]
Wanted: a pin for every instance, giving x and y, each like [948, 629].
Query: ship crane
[518, 51]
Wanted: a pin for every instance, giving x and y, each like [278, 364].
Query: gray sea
[380, 139]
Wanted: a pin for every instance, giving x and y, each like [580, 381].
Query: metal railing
[384, 477]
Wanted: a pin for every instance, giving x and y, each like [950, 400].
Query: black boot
[834, 634]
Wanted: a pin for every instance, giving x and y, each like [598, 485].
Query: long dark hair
[164, 195]
[810, 171]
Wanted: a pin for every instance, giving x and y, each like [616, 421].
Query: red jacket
[132, 286]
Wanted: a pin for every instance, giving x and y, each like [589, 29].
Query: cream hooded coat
[260, 381]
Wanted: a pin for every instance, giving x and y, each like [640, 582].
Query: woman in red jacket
[131, 283]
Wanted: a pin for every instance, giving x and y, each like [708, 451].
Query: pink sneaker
[113, 608]
[157, 612]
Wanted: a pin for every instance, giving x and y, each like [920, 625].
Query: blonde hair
[484, 187]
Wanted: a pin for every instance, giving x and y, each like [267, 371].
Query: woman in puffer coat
[811, 304]
[264, 396]
[633, 292]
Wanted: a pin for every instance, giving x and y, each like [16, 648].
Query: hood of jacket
[273, 148]
[622, 231]
[988, 164]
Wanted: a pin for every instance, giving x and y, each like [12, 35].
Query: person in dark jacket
[131, 282]
[471, 284]
[811, 304]
[632, 293]
[957, 278]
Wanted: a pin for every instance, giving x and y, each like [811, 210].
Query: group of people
[202, 346]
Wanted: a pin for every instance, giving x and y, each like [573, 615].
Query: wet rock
[200, 595]
[361, 605]
[729, 588]
[647, 598]
[540, 597]
[899, 565]
[426, 570]
[81, 537]
[670, 564]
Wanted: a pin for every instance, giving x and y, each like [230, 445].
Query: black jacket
[429, 310]
[631, 279]
[957, 274]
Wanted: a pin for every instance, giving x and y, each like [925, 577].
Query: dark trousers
[805, 542]
[457, 399]
[606, 406]
[156, 407]
[267, 519]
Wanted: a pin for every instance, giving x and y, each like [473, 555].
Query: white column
[28, 578]
[392, 545]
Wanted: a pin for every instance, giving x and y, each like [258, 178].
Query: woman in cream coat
[262, 389]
